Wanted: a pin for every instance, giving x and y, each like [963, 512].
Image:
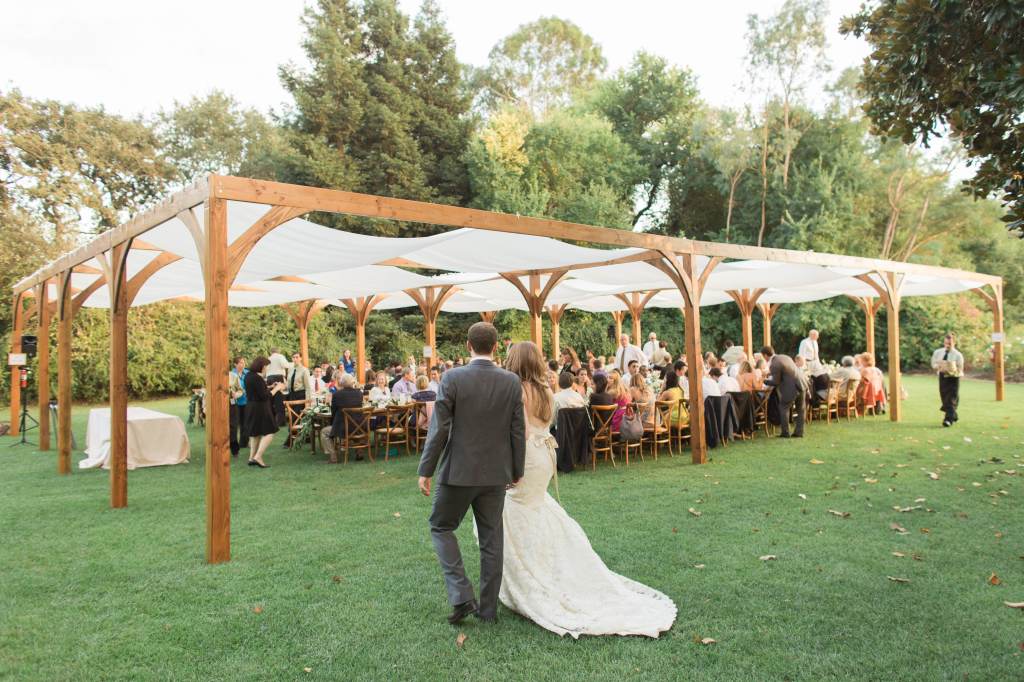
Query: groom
[477, 433]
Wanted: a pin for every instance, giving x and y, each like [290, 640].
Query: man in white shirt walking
[626, 353]
[949, 363]
[651, 346]
[809, 349]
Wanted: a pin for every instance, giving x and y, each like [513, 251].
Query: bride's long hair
[525, 359]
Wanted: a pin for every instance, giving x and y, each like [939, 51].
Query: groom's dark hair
[483, 337]
[767, 352]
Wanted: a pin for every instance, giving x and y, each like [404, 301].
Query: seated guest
[600, 394]
[371, 380]
[709, 382]
[709, 361]
[872, 385]
[748, 378]
[733, 355]
[570, 361]
[726, 384]
[679, 369]
[761, 369]
[632, 369]
[619, 391]
[661, 358]
[566, 396]
[844, 375]
[733, 368]
[674, 394]
[406, 385]
[590, 356]
[380, 391]
[583, 385]
[640, 393]
[317, 384]
[599, 367]
[424, 394]
[347, 396]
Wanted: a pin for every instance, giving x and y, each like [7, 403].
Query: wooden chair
[658, 432]
[602, 441]
[293, 410]
[679, 434]
[395, 430]
[848, 404]
[418, 433]
[356, 434]
[761, 411]
[830, 407]
[627, 445]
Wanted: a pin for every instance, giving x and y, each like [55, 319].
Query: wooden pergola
[686, 263]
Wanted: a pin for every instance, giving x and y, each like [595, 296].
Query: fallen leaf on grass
[898, 580]
[675, 530]
[694, 512]
[840, 514]
[932, 475]
[871, 480]
[257, 609]
[967, 439]
[898, 528]
[698, 565]
[704, 640]
[307, 670]
[460, 640]
[336, 578]
[976, 484]
[899, 554]
[768, 557]
[907, 509]
[916, 557]
[919, 499]
[926, 530]
[816, 461]
[1015, 604]
[397, 515]
[802, 496]
[994, 580]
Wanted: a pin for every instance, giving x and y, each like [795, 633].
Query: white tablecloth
[154, 439]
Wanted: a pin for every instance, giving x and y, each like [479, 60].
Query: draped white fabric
[301, 260]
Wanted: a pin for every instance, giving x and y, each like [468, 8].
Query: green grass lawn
[333, 570]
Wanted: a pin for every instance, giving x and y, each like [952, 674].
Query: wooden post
[430, 300]
[768, 311]
[888, 286]
[617, 316]
[360, 309]
[869, 305]
[555, 313]
[488, 316]
[536, 295]
[17, 327]
[746, 300]
[118, 286]
[680, 268]
[995, 303]
[43, 360]
[217, 280]
[302, 313]
[65, 315]
[635, 303]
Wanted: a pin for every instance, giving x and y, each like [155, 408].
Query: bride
[551, 573]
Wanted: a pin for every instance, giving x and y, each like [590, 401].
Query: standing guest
[434, 378]
[674, 394]
[236, 418]
[626, 353]
[380, 391]
[733, 355]
[790, 385]
[570, 361]
[346, 362]
[949, 363]
[651, 347]
[565, 396]
[259, 414]
[661, 358]
[277, 371]
[406, 385]
[809, 349]
[748, 379]
[298, 380]
[618, 390]
[317, 384]
[426, 395]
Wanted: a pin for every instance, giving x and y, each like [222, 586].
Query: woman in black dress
[259, 413]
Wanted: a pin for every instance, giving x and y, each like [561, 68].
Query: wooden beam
[17, 329]
[768, 311]
[746, 301]
[134, 285]
[43, 364]
[869, 305]
[161, 213]
[430, 300]
[217, 276]
[302, 313]
[617, 317]
[81, 297]
[536, 295]
[244, 243]
[65, 316]
[488, 316]
[115, 268]
[555, 313]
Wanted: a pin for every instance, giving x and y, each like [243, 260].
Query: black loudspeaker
[29, 345]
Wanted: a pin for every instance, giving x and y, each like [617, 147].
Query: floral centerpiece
[304, 430]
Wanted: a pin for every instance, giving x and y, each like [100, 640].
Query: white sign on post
[427, 351]
[998, 337]
[17, 359]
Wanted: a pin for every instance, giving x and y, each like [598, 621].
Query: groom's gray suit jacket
[477, 433]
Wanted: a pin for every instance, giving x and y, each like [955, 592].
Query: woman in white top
[380, 392]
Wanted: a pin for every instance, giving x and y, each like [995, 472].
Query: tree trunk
[764, 181]
[732, 200]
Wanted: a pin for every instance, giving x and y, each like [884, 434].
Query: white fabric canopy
[301, 260]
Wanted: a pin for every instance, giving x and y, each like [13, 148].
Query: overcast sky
[138, 56]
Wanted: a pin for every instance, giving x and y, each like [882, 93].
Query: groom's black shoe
[490, 620]
[462, 610]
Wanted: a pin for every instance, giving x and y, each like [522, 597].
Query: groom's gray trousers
[451, 502]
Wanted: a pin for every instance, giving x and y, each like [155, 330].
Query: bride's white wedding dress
[551, 573]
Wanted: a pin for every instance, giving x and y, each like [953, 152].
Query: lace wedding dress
[551, 573]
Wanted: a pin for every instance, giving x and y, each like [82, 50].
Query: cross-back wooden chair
[829, 407]
[847, 404]
[356, 432]
[292, 411]
[418, 433]
[658, 432]
[627, 445]
[679, 432]
[395, 429]
[761, 411]
[602, 441]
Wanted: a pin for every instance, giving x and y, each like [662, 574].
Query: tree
[788, 48]
[652, 107]
[73, 169]
[380, 109]
[729, 145]
[541, 66]
[959, 65]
